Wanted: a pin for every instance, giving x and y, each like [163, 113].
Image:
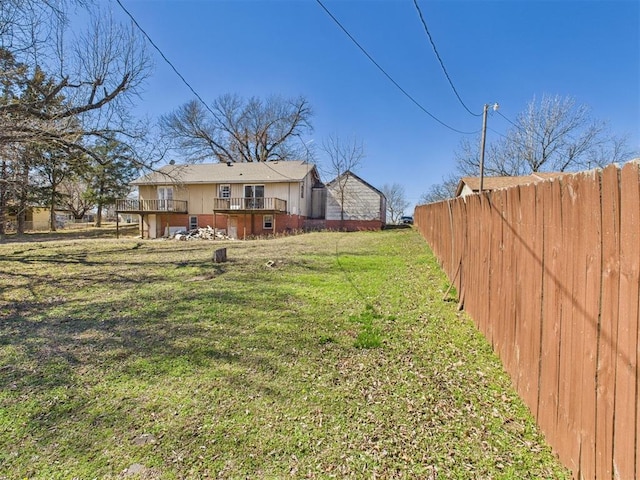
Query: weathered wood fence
[550, 273]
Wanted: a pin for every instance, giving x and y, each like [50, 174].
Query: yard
[325, 355]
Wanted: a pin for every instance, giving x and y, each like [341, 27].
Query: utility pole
[482, 142]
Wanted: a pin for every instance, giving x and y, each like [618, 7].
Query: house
[38, 218]
[35, 219]
[353, 204]
[471, 185]
[252, 199]
[240, 199]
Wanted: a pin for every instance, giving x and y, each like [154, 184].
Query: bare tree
[236, 130]
[344, 156]
[554, 134]
[612, 149]
[396, 201]
[79, 88]
[74, 196]
[441, 191]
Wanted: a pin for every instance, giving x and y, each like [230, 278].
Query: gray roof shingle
[263, 172]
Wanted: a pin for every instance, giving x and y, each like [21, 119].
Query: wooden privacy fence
[550, 274]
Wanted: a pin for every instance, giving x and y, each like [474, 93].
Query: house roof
[351, 174]
[263, 172]
[496, 183]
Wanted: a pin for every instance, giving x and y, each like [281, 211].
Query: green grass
[326, 355]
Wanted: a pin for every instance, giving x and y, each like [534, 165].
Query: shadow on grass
[112, 317]
[108, 231]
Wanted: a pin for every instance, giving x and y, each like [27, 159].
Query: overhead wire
[435, 50]
[500, 113]
[182, 78]
[168, 62]
[384, 72]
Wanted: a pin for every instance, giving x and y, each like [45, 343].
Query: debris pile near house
[203, 233]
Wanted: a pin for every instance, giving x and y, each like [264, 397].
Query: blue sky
[507, 51]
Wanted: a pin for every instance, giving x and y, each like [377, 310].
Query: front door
[254, 196]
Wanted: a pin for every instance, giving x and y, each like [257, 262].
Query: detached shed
[353, 204]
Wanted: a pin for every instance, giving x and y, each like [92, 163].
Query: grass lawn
[325, 355]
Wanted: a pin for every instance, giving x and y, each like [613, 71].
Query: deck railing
[250, 203]
[127, 205]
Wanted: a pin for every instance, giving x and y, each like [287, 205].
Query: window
[224, 191]
[254, 196]
[165, 198]
[267, 222]
[193, 222]
[302, 190]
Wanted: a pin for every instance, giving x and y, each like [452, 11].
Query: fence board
[608, 322]
[472, 270]
[568, 395]
[529, 299]
[518, 273]
[587, 311]
[551, 311]
[504, 327]
[513, 254]
[625, 426]
[459, 236]
[495, 285]
[485, 263]
[490, 245]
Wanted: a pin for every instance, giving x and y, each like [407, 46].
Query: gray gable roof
[252, 172]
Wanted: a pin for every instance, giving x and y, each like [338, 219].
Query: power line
[435, 50]
[165, 58]
[500, 113]
[362, 49]
[182, 77]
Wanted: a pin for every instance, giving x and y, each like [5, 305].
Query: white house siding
[466, 190]
[200, 197]
[360, 201]
[150, 192]
[289, 192]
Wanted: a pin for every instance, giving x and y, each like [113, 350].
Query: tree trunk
[52, 211]
[3, 197]
[22, 205]
[99, 215]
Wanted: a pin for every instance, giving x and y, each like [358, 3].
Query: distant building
[353, 204]
[251, 199]
[471, 185]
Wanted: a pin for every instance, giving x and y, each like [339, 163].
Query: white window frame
[224, 190]
[193, 224]
[165, 197]
[267, 224]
